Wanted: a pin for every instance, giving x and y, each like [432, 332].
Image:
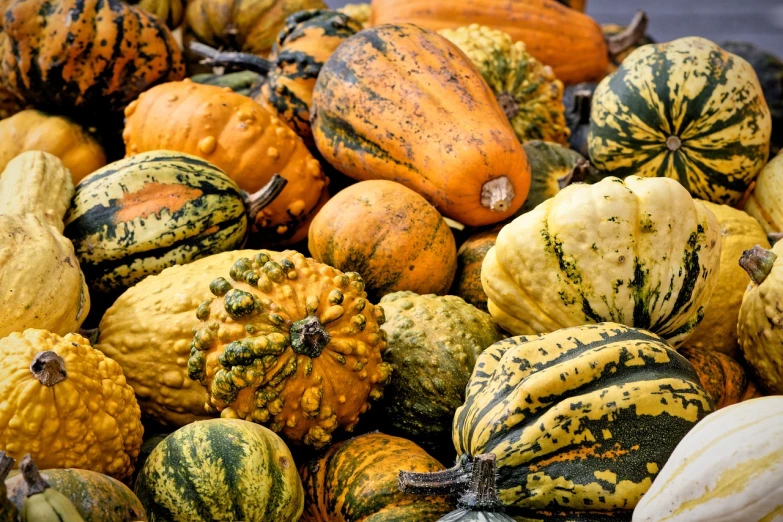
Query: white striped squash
[728, 468]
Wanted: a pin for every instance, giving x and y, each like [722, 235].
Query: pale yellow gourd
[41, 284]
[766, 201]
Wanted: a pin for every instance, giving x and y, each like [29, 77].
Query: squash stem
[447, 482]
[246, 61]
[758, 263]
[577, 175]
[509, 105]
[482, 494]
[258, 201]
[631, 36]
[48, 367]
[774, 237]
[35, 482]
[497, 194]
[308, 337]
[6, 463]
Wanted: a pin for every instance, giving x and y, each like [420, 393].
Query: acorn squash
[290, 343]
[729, 467]
[765, 202]
[686, 110]
[527, 90]
[356, 481]
[401, 103]
[76, 411]
[244, 140]
[640, 252]
[221, 469]
[722, 377]
[390, 235]
[471, 254]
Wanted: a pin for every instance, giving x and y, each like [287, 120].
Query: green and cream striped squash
[686, 110]
[581, 419]
[639, 252]
[139, 215]
[729, 467]
[221, 470]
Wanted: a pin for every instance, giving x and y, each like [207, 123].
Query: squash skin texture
[721, 376]
[221, 470]
[598, 408]
[390, 235]
[529, 86]
[148, 331]
[471, 254]
[252, 354]
[90, 420]
[718, 330]
[35, 130]
[639, 251]
[171, 12]
[356, 481]
[443, 134]
[241, 138]
[729, 467]
[686, 110]
[765, 203]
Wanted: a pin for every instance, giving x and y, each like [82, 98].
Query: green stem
[758, 263]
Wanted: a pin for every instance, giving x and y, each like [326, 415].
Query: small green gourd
[43, 503]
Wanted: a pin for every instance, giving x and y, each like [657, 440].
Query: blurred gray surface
[757, 21]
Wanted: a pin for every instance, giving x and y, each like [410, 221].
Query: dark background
[757, 21]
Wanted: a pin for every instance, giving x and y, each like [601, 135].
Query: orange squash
[241, 138]
[467, 282]
[722, 377]
[388, 234]
[570, 42]
[402, 103]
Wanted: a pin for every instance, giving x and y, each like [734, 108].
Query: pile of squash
[481, 260]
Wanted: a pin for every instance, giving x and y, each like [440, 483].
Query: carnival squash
[388, 234]
[402, 103]
[356, 481]
[433, 342]
[471, 254]
[722, 377]
[581, 419]
[718, 329]
[640, 252]
[95, 496]
[84, 58]
[41, 284]
[729, 467]
[221, 469]
[359, 12]
[760, 316]
[527, 90]
[239, 137]
[67, 404]
[148, 331]
[171, 12]
[569, 41]
[766, 201]
[290, 343]
[9, 512]
[686, 110]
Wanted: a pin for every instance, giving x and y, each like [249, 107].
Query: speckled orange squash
[467, 281]
[388, 234]
[722, 377]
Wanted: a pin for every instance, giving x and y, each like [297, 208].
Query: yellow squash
[766, 201]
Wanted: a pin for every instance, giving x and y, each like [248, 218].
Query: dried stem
[758, 263]
[231, 59]
[631, 36]
[261, 199]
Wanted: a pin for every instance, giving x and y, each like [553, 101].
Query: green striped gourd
[221, 470]
[686, 110]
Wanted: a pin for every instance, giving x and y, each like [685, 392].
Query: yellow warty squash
[66, 404]
[640, 252]
[766, 201]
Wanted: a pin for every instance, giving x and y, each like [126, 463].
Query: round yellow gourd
[66, 404]
[766, 201]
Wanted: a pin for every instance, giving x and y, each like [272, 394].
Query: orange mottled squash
[467, 282]
[722, 377]
[241, 138]
[388, 234]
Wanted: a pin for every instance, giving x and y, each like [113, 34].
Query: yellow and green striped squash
[581, 419]
[686, 110]
[139, 215]
[221, 470]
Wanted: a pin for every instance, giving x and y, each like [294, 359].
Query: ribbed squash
[527, 90]
[290, 343]
[221, 469]
[96, 497]
[722, 377]
[760, 338]
[359, 12]
[402, 103]
[718, 329]
[41, 284]
[356, 481]
[139, 215]
[729, 467]
[569, 41]
[84, 58]
[67, 405]
[171, 12]
[640, 252]
[388, 234]
[686, 110]
[581, 419]
[148, 331]
[471, 254]
[239, 137]
[766, 201]
[34, 130]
